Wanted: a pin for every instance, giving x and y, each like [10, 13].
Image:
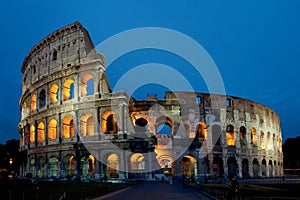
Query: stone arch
[271, 172]
[33, 102]
[53, 93]
[164, 125]
[52, 129]
[216, 135]
[188, 166]
[263, 168]
[218, 169]
[88, 166]
[262, 140]
[109, 123]
[245, 168]
[253, 136]
[68, 127]
[141, 125]
[41, 167]
[32, 166]
[87, 85]
[32, 134]
[166, 163]
[113, 166]
[201, 130]
[255, 167]
[137, 165]
[230, 139]
[243, 132]
[41, 132]
[87, 127]
[69, 165]
[42, 98]
[53, 166]
[68, 89]
[232, 167]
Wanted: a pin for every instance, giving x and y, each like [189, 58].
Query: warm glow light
[230, 140]
[41, 132]
[52, 129]
[32, 134]
[54, 94]
[253, 136]
[33, 102]
[67, 90]
[68, 127]
[86, 125]
[84, 85]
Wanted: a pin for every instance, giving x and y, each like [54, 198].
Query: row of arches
[264, 140]
[255, 170]
[39, 99]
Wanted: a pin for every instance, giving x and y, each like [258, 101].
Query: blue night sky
[255, 45]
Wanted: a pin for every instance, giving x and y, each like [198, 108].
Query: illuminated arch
[69, 164]
[68, 127]
[201, 130]
[53, 94]
[27, 106]
[230, 139]
[32, 134]
[33, 102]
[52, 129]
[253, 136]
[262, 140]
[87, 85]
[163, 125]
[87, 125]
[68, 89]
[188, 166]
[109, 123]
[137, 163]
[141, 125]
[113, 166]
[41, 132]
[53, 166]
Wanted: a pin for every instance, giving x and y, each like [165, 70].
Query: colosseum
[72, 124]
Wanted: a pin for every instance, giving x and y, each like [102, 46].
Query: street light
[10, 162]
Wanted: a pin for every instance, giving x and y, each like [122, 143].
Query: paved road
[155, 191]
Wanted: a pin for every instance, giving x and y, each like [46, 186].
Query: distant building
[71, 123]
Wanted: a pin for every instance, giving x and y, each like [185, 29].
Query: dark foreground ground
[24, 189]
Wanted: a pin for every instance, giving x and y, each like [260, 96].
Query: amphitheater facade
[72, 124]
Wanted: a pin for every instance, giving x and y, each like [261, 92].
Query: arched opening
[87, 85]
[54, 55]
[41, 167]
[52, 129]
[216, 135]
[275, 169]
[68, 127]
[88, 166]
[255, 164]
[263, 168]
[68, 89]
[53, 94]
[32, 134]
[201, 131]
[109, 123]
[271, 173]
[32, 167]
[53, 166]
[112, 166]
[87, 125]
[69, 165]
[218, 168]
[137, 166]
[262, 140]
[33, 102]
[27, 106]
[243, 133]
[230, 139]
[167, 165]
[26, 136]
[141, 125]
[188, 166]
[42, 98]
[163, 126]
[245, 168]
[41, 132]
[253, 136]
[232, 167]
